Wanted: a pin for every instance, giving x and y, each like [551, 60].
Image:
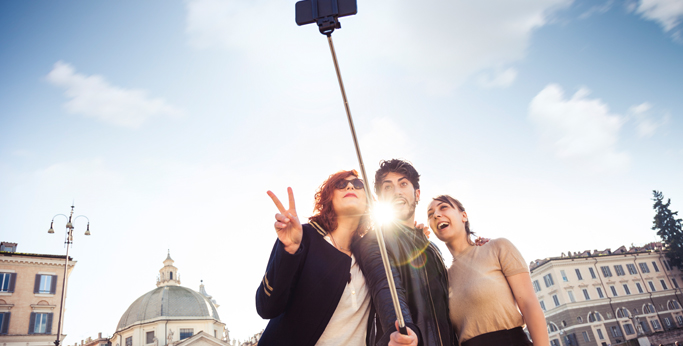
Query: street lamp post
[68, 241]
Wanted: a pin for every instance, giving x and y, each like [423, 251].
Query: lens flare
[383, 213]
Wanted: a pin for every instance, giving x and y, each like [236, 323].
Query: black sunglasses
[357, 184]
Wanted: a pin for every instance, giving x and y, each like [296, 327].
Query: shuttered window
[40, 323]
[4, 322]
[45, 284]
[7, 281]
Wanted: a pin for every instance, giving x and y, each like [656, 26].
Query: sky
[165, 123]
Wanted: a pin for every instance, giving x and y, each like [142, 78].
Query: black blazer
[300, 292]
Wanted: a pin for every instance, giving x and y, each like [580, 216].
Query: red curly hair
[323, 211]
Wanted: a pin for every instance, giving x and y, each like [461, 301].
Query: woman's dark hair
[454, 203]
[396, 166]
[323, 210]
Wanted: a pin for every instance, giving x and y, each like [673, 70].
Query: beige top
[480, 299]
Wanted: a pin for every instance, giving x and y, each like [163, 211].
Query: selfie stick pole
[368, 195]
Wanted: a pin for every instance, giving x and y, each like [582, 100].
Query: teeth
[442, 225]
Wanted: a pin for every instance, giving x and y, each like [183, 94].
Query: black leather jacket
[421, 281]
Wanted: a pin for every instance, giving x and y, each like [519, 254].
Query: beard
[407, 212]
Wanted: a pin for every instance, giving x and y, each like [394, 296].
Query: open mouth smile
[441, 225]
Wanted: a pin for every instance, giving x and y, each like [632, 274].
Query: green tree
[669, 228]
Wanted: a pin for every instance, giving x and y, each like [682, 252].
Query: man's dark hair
[396, 166]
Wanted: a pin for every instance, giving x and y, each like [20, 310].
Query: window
[667, 265]
[571, 296]
[674, 282]
[552, 327]
[663, 284]
[555, 342]
[649, 309]
[585, 294]
[628, 328]
[644, 268]
[40, 323]
[149, 337]
[46, 284]
[537, 287]
[606, 272]
[639, 287]
[592, 317]
[129, 341]
[600, 292]
[579, 319]
[628, 291]
[679, 319]
[7, 281]
[543, 305]
[619, 270]
[602, 337]
[667, 321]
[622, 313]
[171, 273]
[548, 279]
[656, 325]
[673, 305]
[654, 265]
[615, 331]
[585, 336]
[644, 327]
[614, 291]
[557, 301]
[592, 272]
[578, 274]
[186, 333]
[564, 276]
[631, 269]
[652, 286]
[4, 322]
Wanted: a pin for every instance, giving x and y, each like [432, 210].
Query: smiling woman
[487, 284]
[313, 291]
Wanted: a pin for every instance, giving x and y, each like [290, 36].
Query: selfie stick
[325, 13]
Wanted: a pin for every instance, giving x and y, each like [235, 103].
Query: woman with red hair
[313, 291]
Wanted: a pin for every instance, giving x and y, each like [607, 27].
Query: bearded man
[416, 264]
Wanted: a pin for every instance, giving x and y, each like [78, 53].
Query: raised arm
[284, 262]
[370, 261]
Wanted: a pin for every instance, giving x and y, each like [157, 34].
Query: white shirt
[348, 325]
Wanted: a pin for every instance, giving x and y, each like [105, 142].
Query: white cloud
[668, 13]
[435, 44]
[499, 79]
[645, 125]
[94, 97]
[578, 129]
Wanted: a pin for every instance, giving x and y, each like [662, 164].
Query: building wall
[162, 328]
[23, 301]
[571, 316]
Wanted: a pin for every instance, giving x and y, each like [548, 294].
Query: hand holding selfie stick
[326, 14]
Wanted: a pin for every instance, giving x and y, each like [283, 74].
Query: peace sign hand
[287, 224]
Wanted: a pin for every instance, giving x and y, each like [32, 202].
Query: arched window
[622, 313]
[552, 327]
[673, 305]
[171, 275]
[579, 319]
[649, 309]
[591, 317]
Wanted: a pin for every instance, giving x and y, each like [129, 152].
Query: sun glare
[383, 213]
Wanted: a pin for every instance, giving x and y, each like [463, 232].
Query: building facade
[30, 294]
[608, 297]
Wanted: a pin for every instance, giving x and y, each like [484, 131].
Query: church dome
[168, 302]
